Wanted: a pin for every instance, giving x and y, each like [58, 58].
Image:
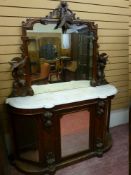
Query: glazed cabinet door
[76, 131]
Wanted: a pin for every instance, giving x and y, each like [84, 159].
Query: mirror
[74, 132]
[56, 57]
[57, 48]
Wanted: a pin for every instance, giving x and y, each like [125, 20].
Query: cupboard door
[75, 132]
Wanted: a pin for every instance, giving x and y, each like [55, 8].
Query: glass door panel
[74, 132]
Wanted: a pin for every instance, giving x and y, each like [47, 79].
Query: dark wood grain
[4, 164]
[48, 134]
[63, 18]
[130, 140]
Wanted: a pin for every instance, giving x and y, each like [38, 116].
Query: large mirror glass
[58, 57]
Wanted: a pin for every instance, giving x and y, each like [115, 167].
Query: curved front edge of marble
[51, 99]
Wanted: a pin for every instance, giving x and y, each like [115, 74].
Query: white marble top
[51, 99]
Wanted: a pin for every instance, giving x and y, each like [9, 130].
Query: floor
[114, 162]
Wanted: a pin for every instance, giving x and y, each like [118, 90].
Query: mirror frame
[63, 18]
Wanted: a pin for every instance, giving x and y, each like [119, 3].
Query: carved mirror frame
[63, 18]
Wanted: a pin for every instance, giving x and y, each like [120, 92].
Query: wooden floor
[114, 162]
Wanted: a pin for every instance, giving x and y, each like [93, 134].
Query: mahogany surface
[130, 140]
[47, 122]
[39, 128]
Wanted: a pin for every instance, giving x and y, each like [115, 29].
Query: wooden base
[30, 168]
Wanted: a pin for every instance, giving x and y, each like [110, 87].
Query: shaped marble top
[51, 98]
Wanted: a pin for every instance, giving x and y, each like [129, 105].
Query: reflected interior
[74, 133]
[58, 57]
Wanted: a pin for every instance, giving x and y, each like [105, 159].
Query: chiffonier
[60, 104]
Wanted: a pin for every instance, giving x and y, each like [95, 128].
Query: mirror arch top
[62, 18]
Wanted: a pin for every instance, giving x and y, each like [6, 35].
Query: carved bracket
[99, 147]
[20, 87]
[50, 160]
[101, 63]
[47, 119]
[100, 107]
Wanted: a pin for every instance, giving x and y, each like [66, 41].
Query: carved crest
[64, 15]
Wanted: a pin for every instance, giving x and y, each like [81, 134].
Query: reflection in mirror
[34, 56]
[58, 57]
[74, 132]
[26, 130]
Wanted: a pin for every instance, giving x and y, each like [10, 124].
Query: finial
[63, 4]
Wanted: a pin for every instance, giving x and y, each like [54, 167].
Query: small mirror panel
[74, 133]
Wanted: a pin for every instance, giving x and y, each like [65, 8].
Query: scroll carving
[50, 160]
[20, 87]
[65, 19]
[47, 119]
[99, 147]
[64, 15]
[101, 63]
[100, 108]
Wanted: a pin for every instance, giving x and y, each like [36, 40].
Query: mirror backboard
[57, 48]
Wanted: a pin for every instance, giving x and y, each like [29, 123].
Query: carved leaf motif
[20, 88]
[100, 108]
[47, 119]
[102, 61]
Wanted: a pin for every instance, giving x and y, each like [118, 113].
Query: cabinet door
[75, 132]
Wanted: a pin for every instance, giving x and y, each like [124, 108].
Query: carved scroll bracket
[101, 107]
[47, 119]
[99, 147]
[20, 87]
[50, 160]
[101, 64]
